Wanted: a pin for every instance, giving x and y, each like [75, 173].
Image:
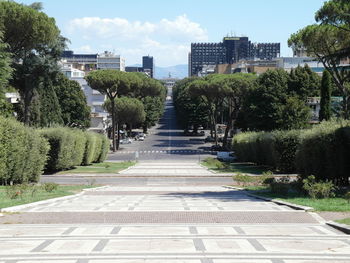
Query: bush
[318, 189]
[22, 152]
[50, 187]
[98, 148]
[62, 148]
[280, 186]
[104, 149]
[89, 148]
[285, 146]
[324, 152]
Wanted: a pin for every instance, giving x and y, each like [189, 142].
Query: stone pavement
[162, 223]
[168, 169]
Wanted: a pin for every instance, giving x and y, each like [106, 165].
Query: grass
[345, 221]
[40, 194]
[99, 168]
[335, 204]
[220, 167]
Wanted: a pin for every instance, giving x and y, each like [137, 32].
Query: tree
[128, 111]
[237, 87]
[293, 114]
[72, 101]
[261, 110]
[329, 42]
[112, 83]
[335, 13]
[190, 109]
[303, 82]
[5, 74]
[326, 90]
[35, 43]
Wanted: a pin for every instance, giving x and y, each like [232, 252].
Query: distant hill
[178, 71]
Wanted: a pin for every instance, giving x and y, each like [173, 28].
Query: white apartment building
[94, 98]
[109, 60]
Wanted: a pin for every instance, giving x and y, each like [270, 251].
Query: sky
[165, 29]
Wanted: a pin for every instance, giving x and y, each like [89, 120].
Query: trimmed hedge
[72, 147]
[322, 151]
[23, 152]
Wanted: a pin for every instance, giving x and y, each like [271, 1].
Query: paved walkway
[162, 223]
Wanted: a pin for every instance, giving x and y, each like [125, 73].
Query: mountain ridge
[177, 71]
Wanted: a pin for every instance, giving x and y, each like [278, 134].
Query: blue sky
[165, 29]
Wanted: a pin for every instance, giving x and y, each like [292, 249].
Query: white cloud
[167, 40]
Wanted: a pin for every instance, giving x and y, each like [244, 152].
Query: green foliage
[22, 152]
[303, 82]
[285, 146]
[89, 148]
[324, 150]
[318, 189]
[347, 197]
[50, 187]
[72, 101]
[326, 91]
[278, 101]
[73, 147]
[321, 151]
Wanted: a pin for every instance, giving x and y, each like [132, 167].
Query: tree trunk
[114, 149]
[118, 137]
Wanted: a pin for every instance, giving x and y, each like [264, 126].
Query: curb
[279, 202]
[48, 201]
[341, 227]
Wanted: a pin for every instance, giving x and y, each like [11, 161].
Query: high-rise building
[230, 50]
[109, 60]
[84, 62]
[265, 51]
[148, 65]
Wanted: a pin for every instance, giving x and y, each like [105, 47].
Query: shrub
[50, 187]
[104, 148]
[321, 152]
[22, 152]
[285, 146]
[242, 179]
[89, 148]
[318, 189]
[98, 148]
[347, 197]
[79, 146]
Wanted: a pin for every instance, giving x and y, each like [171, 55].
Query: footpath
[167, 221]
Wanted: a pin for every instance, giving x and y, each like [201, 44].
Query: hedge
[23, 152]
[26, 152]
[322, 151]
[72, 147]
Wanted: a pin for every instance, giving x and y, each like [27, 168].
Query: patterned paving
[163, 223]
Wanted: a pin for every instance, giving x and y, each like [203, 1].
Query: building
[148, 65]
[231, 50]
[265, 51]
[94, 98]
[84, 62]
[289, 63]
[108, 60]
[134, 69]
[205, 54]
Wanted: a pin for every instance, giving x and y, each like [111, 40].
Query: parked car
[125, 141]
[225, 156]
[141, 138]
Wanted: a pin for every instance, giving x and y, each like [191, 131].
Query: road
[165, 142]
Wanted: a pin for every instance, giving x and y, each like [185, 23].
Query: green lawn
[40, 194]
[335, 204]
[106, 167]
[345, 221]
[247, 168]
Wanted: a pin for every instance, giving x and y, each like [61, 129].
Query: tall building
[230, 50]
[109, 60]
[148, 65]
[206, 54]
